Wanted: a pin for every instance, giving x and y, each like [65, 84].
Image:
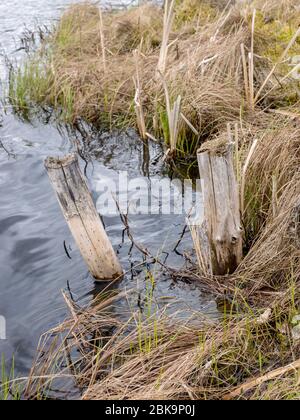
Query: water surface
[34, 267]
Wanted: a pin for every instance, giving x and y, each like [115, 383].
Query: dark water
[34, 267]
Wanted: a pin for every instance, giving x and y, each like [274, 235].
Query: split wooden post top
[82, 217]
[221, 205]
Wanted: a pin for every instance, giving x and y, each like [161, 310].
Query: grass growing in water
[9, 388]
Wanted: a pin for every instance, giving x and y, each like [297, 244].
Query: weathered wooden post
[221, 205]
[83, 220]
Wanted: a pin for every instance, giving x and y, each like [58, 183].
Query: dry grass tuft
[163, 357]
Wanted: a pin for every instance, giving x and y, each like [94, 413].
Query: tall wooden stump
[221, 206]
[83, 220]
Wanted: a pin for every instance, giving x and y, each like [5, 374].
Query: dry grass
[250, 353]
[89, 64]
[196, 47]
[219, 62]
[163, 357]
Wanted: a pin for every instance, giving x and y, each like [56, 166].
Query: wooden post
[81, 215]
[221, 206]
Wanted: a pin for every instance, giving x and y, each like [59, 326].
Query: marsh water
[34, 266]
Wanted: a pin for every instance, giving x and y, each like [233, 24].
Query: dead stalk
[167, 26]
[102, 39]
[173, 114]
[244, 173]
[281, 59]
[138, 106]
[245, 71]
[274, 196]
[257, 382]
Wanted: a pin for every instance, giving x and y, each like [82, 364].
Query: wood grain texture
[221, 206]
[83, 220]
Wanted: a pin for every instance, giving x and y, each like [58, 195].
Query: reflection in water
[146, 159]
[33, 233]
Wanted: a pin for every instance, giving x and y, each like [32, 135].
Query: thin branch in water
[66, 251]
[180, 239]
[8, 152]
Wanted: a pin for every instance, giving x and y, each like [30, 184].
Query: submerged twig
[8, 152]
